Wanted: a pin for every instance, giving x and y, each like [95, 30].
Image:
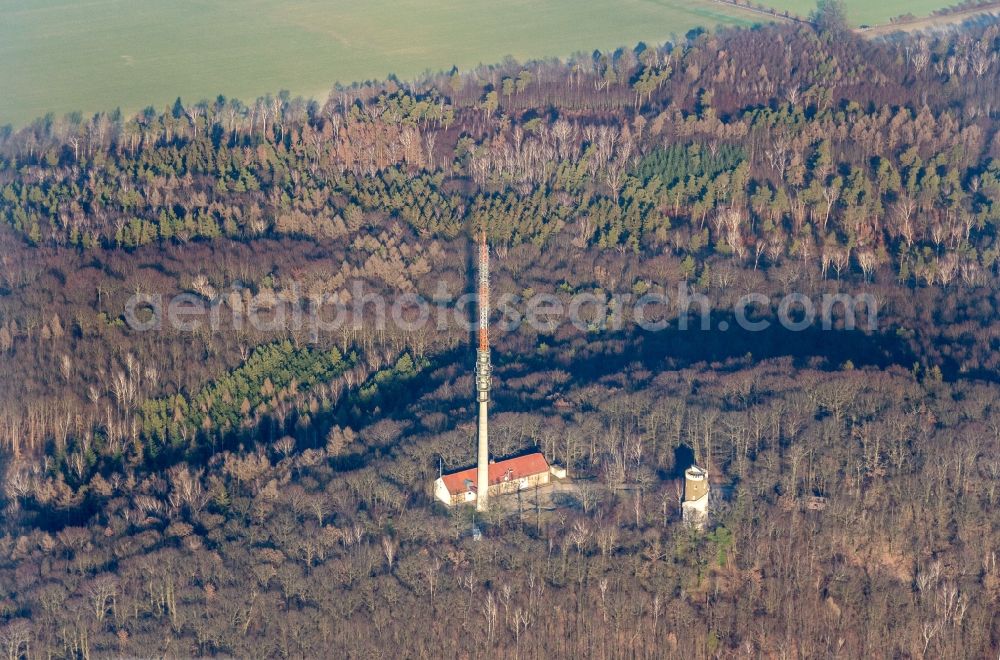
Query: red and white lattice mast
[483, 374]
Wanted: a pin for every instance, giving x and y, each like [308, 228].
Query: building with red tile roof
[505, 476]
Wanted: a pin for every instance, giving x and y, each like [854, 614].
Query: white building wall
[696, 512]
[520, 483]
[441, 491]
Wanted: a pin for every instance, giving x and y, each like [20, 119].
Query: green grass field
[865, 12]
[88, 55]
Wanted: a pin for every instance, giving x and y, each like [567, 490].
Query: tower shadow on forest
[721, 350]
[683, 459]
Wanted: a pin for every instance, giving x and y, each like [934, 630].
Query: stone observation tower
[694, 508]
[483, 375]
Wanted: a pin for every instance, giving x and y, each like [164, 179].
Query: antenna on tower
[483, 373]
[484, 292]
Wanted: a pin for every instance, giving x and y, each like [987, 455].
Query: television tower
[483, 374]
